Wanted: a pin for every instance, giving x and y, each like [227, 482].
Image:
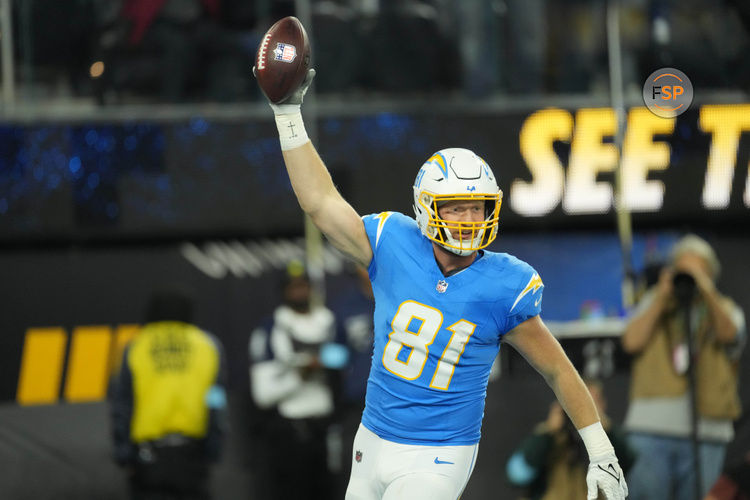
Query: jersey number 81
[420, 341]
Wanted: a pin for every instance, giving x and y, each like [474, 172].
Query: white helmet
[456, 174]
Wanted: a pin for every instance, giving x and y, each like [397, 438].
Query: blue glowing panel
[142, 179]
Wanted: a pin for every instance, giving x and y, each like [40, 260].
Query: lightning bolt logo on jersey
[434, 349]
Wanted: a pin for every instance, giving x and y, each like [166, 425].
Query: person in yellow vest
[551, 462]
[169, 404]
[659, 417]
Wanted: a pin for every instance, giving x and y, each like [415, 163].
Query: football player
[442, 307]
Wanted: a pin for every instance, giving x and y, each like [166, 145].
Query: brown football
[283, 59]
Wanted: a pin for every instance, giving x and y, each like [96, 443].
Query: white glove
[605, 475]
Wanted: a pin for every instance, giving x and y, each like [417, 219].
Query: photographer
[660, 418]
[551, 462]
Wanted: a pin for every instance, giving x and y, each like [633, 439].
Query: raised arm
[312, 183]
[534, 342]
[329, 211]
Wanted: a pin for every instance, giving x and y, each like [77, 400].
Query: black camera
[684, 287]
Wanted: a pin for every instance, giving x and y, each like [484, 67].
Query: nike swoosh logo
[438, 461]
[613, 473]
[536, 303]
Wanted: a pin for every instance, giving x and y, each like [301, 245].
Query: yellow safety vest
[173, 366]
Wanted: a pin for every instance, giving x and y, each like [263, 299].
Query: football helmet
[456, 174]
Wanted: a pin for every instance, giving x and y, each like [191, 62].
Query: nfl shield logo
[284, 52]
[442, 285]
[358, 456]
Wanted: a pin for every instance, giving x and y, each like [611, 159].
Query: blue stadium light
[74, 165]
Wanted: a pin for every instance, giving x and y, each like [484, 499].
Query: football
[283, 59]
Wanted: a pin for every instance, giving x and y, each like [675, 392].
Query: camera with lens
[684, 287]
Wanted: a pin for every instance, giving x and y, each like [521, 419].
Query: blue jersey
[436, 337]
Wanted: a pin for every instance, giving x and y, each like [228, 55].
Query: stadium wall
[71, 309]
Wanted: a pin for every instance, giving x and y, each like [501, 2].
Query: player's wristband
[292, 133]
[596, 441]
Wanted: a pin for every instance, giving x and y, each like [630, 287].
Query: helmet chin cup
[455, 250]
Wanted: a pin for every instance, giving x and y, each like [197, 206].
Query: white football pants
[384, 470]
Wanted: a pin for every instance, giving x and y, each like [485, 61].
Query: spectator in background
[477, 23]
[551, 463]
[527, 27]
[169, 404]
[416, 66]
[289, 360]
[354, 319]
[659, 416]
[355, 330]
[191, 42]
[706, 40]
[578, 46]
